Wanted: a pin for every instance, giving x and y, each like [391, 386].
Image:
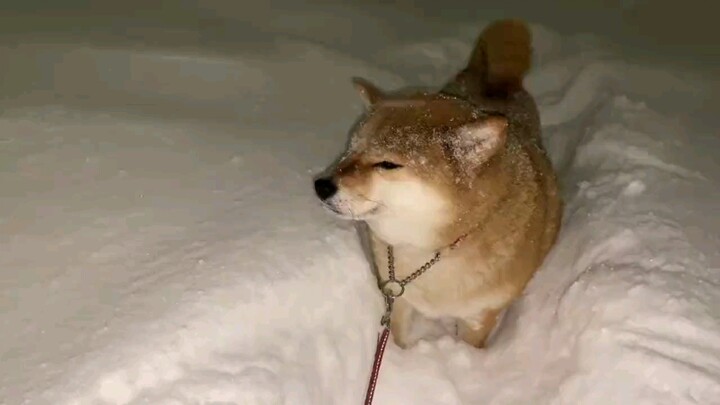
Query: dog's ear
[478, 141]
[368, 91]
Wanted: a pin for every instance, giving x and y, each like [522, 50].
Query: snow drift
[162, 244]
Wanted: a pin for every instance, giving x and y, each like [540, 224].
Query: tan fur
[506, 57]
[499, 193]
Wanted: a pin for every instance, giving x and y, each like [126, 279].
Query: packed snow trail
[163, 244]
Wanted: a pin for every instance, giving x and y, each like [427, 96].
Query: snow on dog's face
[408, 163]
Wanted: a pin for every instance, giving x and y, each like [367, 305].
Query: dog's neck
[411, 229]
[424, 238]
[426, 233]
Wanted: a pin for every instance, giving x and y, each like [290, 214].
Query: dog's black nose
[325, 188]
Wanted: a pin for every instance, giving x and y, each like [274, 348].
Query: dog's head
[408, 163]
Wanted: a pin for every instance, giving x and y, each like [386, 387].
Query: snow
[162, 244]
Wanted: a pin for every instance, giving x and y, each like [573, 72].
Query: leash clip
[390, 289]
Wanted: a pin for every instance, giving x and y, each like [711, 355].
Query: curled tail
[499, 62]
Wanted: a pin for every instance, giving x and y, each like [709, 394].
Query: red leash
[379, 351]
[391, 289]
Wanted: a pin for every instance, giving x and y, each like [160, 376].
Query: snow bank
[163, 245]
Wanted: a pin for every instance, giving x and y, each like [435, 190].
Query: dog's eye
[386, 165]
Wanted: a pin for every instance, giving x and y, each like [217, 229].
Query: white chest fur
[454, 287]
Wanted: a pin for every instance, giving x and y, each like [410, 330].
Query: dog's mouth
[344, 211]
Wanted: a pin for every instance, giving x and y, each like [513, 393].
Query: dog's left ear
[478, 141]
[368, 91]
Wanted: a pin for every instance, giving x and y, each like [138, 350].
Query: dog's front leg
[400, 321]
[475, 331]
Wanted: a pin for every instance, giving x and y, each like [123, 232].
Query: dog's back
[493, 80]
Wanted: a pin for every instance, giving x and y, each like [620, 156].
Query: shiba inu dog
[461, 174]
